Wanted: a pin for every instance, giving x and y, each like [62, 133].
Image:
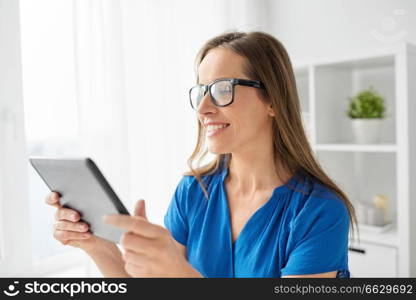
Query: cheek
[249, 122]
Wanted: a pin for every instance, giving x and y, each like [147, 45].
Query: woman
[263, 208]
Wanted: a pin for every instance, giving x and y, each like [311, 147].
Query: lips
[215, 123]
[216, 126]
[215, 129]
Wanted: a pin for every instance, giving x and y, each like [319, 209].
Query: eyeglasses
[221, 91]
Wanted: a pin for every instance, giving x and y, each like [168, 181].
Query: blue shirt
[301, 229]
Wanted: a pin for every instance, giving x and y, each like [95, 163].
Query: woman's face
[248, 117]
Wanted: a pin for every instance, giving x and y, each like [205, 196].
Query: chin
[218, 149]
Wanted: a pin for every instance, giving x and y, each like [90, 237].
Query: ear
[271, 111]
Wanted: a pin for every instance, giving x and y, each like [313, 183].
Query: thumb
[140, 209]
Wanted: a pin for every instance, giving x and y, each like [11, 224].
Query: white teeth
[215, 127]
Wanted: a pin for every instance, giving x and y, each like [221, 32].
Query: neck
[254, 171]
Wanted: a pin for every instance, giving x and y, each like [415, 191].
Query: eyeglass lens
[221, 92]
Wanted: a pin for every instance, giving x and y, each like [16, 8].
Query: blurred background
[109, 79]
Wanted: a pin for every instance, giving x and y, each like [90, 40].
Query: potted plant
[366, 111]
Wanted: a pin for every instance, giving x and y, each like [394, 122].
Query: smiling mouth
[216, 129]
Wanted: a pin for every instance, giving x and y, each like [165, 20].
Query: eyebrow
[218, 78]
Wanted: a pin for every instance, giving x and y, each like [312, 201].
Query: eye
[225, 89]
[222, 88]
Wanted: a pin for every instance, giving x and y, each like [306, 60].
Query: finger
[64, 213]
[140, 209]
[53, 199]
[139, 244]
[71, 226]
[64, 235]
[136, 224]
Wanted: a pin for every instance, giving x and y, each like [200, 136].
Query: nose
[206, 106]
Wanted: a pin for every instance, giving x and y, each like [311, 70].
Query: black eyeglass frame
[234, 82]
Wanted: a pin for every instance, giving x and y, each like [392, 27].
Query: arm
[111, 264]
[150, 249]
[321, 275]
[319, 240]
[182, 249]
[69, 230]
[109, 261]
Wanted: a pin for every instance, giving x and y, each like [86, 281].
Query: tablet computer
[83, 188]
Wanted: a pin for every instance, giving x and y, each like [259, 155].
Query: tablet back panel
[82, 187]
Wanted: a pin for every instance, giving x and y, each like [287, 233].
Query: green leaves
[367, 104]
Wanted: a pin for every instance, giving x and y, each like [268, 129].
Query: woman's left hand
[149, 248]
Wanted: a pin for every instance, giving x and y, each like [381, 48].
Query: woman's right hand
[69, 230]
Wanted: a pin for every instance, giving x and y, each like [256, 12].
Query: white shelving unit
[364, 170]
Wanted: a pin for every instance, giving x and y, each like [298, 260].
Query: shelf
[388, 238]
[363, 62]
[362, 175]
[336, 83]
[356, 147]
[302, 85]
[362, 171]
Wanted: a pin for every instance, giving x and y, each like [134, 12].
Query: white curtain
[14, 229]
[100, 89]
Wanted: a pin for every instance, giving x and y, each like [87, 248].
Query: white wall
[324, 29]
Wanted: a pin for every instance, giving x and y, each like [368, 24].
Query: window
[50, 105]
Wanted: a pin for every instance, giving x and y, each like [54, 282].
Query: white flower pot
[366, 131]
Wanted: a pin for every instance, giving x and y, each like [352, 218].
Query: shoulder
[323, 199]
[190, 184]
[209, 180]
[320, 206]
[185, 183]
[189, 192]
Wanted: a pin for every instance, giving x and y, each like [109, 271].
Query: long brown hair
[266, 60]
